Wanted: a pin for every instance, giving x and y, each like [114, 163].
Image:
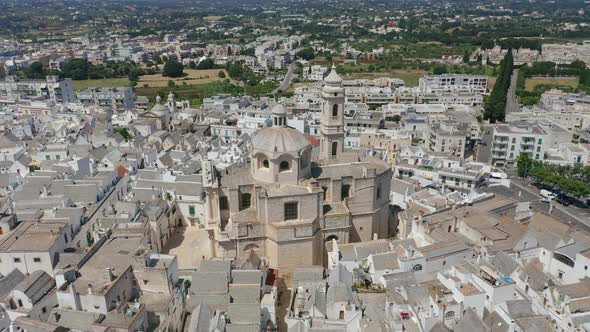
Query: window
[334, 148]
[37, 260]
[223, 203]
[417, 267]
[191, 210]
[20, 302]
[449, 314]
[341, 315]
[47, 157]
[284, 166]
[344, 192]
[564, 259]
[335, 110]
[265, 163]
[291, 210]
[245, 201]
[325, 192]
[17, 260]
[44, 310]
[57, 157]
[540, 141]
[378, 193]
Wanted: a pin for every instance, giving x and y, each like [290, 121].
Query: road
[522, 191]
[80, 238]
[484, 148]
[287, 80]
[511, 101]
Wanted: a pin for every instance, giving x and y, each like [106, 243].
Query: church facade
[285, 206]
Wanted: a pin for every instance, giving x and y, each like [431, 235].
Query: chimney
[75, 296]
[89, 289]
[109, 274]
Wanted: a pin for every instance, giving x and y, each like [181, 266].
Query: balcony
[501, 139]
[499, 147]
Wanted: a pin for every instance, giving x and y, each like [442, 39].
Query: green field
[531, 83]
[410, 76]
[106, 82]
[196, 92]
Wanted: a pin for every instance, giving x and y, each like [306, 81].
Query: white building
[53, 88]
[453, 83]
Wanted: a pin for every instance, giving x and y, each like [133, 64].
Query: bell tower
[332, 117]
[171, 102]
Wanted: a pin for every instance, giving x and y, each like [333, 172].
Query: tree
[192, 65]
[495, 104]
[306, 54]
[235, 70]
[124, 132]
[134, 74]
[35, 70]
[397, 118]
[172, 68]
[221, 74]
[76, 69]
[524, 165]
[439, 70]
[466, 57]
[171, 84]
[206, 64]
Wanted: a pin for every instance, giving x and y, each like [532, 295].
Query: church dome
[279, 140]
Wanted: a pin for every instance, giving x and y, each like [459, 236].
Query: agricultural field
[410, 76]
[106, 82]
[531, 83]
[192, 76]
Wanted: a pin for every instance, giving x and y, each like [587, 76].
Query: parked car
[564, 200]
[547, 195]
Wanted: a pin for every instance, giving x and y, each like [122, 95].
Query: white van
[547, 195]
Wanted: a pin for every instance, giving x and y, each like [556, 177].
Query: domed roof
[278, 109]
[279, 140]
[333, 77]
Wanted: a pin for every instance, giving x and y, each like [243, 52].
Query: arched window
[564, 259]
[331, 237]
[251, 246]
[284, 166]
[334, 148]
[325, 192]
[344, 192]
[449, 314]
[417, 267]
[335, 110]
[264, 163]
